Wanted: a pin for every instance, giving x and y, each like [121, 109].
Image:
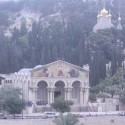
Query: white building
[42, 84]
[104, 20]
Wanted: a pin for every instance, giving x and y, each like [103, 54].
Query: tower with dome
[119, 26]
[104, 20]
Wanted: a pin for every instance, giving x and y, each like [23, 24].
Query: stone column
[81, 96]
[30, 95]
[51, 95]
[65, 94]
[2, 82]
[48, 93]
[69, 93]
[34, 91]
[86, 95]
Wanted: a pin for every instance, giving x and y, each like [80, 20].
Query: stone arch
[76, 86]
[59, 89]
[81, 82]
[42, 93]
[63, 81]
[42, 80]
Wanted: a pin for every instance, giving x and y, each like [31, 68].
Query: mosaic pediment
[59, 69]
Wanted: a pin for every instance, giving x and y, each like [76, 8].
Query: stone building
[2, 79]
[104, 20]
[42, 84]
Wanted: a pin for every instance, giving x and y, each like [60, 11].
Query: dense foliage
[68, 119]
[111, 86]
[67, 36]
[10, 100]
[61, 105]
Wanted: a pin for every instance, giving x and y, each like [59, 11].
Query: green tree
[122, 98]
[10, 100]
[112, 90]
[68, 119]
[61, 105]
[4, 64]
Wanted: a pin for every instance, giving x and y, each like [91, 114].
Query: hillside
[38, 32]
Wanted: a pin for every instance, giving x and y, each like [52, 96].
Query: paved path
[115, 120]
[104, 120]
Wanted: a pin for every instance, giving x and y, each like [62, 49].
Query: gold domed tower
[104, 12]
[103, 20]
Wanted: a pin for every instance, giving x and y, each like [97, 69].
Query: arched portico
[76, 86]
[59, 89]
[70, 90]
[42, 93]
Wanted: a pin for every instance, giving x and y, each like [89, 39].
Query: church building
[42, 84]
[104, 21]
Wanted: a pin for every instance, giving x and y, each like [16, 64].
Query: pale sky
[7, 0]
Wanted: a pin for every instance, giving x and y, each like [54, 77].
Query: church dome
[98, 15]
[104, 12]
[24, 71]
[119, 19]
[104, 20]
[38, 66]
[109, 14]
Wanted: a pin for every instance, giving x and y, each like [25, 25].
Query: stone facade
[42, 84]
